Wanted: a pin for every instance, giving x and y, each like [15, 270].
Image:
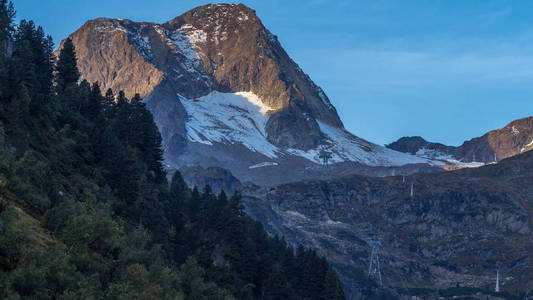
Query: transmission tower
[374, 268]
[497, 288]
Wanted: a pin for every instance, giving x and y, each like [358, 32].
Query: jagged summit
[223, 91]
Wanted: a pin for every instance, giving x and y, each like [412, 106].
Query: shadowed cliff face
[456, 229]
[515, 138]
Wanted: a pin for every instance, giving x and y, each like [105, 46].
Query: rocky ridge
[515, 138]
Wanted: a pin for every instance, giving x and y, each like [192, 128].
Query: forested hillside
[86, 211]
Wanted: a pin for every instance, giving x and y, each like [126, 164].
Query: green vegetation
[86, 211]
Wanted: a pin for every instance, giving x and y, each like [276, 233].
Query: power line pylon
[497, 288]
[374, 268]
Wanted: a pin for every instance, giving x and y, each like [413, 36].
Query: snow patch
[194, 35]
[460, 164]
[295, 213]
[185, 46]
[447, 158]
[141, 44]
[525, 148]
[263, 164]
[241, 117]
[346, 147]
[433, 154]
[229, 118]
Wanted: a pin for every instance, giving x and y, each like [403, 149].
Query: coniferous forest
[86, 211]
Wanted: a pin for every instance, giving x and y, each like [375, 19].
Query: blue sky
[445, 70]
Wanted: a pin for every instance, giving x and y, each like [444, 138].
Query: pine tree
[151, 138]
[277, 286]
[332, 288]
[121, 98]
[66, 69]
[7, 14]
[179, 191]
[109, 98]
[195, 287]
[94, 105]
[83, 97]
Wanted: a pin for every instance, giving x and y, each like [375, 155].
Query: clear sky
[446, 70]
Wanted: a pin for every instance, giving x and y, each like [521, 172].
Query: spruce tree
[109, 98]
[94, 105]
[7, 14]
[66, 69]
[179, 191]
[332, 288]
[121, 98]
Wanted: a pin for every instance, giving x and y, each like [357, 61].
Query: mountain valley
[143, 132]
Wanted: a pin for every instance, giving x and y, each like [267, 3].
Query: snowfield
[241, 117]
[449, 159]
[229, 118]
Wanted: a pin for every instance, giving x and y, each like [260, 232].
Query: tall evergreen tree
[121, 98]
[67, 72]
[178, 188]
[7, 14]
[94, 105]
[109, 98]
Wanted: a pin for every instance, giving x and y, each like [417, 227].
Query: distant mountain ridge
[514, 138]
[223, 91]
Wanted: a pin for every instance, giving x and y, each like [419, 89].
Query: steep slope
[223, 91]
[515, 138]
[446, 238]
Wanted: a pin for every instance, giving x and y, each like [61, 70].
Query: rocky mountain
[515, 138]
[442, 234]
[224, 93]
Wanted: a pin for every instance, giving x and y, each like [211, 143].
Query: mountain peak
[220, 84]
[218, 17]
